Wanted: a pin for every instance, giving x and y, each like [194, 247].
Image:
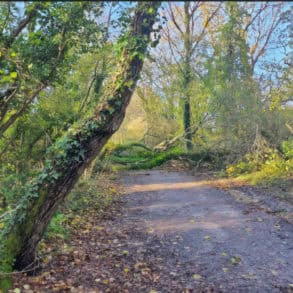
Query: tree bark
[71, 154]
[187, 77]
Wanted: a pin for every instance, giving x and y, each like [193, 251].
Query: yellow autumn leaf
[196, 277]
[151, 230]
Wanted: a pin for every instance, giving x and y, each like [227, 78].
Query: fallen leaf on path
[277, 225]
[235, 260]
[151, 230]
[125, 252]
[274, 273]
[196, 277]
[26, 286]
[249, 276]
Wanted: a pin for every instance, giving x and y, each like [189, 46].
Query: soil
[173, 232]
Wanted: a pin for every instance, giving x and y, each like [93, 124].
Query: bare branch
[22, 24]
[261, 51]
[89, 87]
[171, 13]
[200, 37]
[24, 106]
[255, 16]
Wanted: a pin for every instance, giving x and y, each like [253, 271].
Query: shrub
[268, 168]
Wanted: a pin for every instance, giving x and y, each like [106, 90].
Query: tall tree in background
[231, 81]
[258, 33]
[71, 154]
[184, 33]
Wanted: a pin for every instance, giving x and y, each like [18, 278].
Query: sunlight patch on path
[183, 185]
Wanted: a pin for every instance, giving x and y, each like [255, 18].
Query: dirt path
[204, 238]
[174, 233]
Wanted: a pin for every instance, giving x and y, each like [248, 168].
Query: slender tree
[231, 82]
[190, 27]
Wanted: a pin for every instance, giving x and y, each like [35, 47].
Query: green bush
[287, 148]
[268, 168]
[88, 193]
[57, 227]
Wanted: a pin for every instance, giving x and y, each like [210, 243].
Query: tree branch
[22, 24]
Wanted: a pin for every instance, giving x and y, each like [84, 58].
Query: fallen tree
[70, 155]
[166, 144]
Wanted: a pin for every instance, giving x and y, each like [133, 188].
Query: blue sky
[273, 55]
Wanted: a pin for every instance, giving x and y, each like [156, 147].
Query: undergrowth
[136, 156]
[91, 194]
[269, 168]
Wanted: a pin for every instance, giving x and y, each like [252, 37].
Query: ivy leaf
[151, 10]
[13, 74]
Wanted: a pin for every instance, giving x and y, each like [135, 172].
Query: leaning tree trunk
[72, 153]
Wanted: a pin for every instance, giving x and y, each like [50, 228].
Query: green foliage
[89, 193]
[267, 169]
[234, 93]
[136, 156]
[287, 148]
[57, 227]
[67, 157]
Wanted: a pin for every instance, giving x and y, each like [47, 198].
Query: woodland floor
[173, 232]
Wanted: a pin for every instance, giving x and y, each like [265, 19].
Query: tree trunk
[71, 154]
[187, 77]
